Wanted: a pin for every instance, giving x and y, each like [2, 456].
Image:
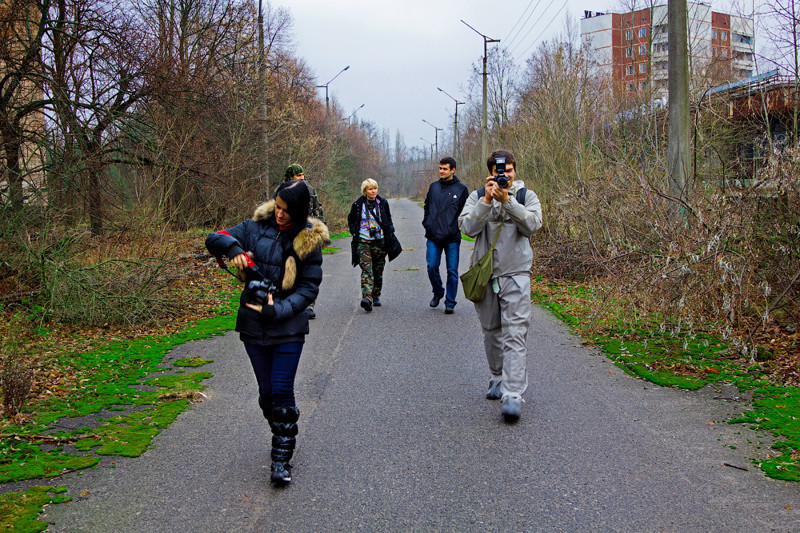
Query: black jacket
[443, 204]
[385, 222]
[293, 265]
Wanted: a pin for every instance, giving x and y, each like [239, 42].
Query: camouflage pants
[371, 259]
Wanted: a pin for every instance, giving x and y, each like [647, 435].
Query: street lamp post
[262, 81]
[354, 113]
[484, 128]
[427, 141]
[455, 122]
[436, 137]
[327, 103]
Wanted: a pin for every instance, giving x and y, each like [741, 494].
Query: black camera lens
[502, 181]
[257, 292]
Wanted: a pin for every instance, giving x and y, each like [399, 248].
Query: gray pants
[505, 317]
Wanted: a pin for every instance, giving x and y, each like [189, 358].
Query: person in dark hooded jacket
[280, 246]
[443, 204]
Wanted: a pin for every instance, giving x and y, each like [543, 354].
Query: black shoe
[366, 304]
[448, 309]
[281, 473]
[435, 301]
[376, 302]
[310, 312]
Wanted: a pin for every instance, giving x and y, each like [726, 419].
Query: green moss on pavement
[19, 510]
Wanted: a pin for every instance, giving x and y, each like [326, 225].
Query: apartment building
[630, 49]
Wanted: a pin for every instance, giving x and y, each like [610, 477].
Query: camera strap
[371, 211]
[250, 263]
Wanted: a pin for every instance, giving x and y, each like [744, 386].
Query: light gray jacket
[512, 253]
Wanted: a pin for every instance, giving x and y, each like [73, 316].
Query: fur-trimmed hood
[310, 239]
[313, 237]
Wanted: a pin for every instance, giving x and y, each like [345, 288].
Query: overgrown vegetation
[688, 359]
[110, 166]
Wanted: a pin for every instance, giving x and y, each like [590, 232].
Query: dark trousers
[275, 368]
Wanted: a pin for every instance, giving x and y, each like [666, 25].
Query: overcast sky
[400, 51]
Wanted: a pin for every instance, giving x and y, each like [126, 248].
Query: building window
[713, 34]
[714, 51]
[628, 35]
[642, 32]
[725, 52]
[642, 50]
[630, 87]
[744, 39]
[643, 68]
[628, 52]
[724, 36]
[642, 86]
[629, 70]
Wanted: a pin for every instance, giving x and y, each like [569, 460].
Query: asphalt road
[395, 435]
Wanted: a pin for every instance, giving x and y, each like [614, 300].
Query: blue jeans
[433, 256]
[275, 368]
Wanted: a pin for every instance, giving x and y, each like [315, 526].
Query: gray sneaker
[512, 407]
[494, 392]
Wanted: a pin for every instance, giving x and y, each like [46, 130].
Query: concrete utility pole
[484, 126]
[262, 80]
[455, 123]
[437, 136]
[678, 145]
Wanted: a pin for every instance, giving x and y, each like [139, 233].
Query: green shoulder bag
[475, 279]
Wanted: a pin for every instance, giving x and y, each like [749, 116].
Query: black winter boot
[284, 431]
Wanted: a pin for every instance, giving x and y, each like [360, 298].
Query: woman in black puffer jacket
[285, 246]
[370, 224]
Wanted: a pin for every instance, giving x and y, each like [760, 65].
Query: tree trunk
[95, 197]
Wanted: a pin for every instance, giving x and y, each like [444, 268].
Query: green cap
[292, 171]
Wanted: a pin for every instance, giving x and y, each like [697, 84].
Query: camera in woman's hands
[257, 291]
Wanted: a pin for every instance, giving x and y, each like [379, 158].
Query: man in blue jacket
[444, 202]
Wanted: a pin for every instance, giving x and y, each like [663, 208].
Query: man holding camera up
[508, 212]
[445, 200]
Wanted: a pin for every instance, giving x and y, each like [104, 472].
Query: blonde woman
[370, 224]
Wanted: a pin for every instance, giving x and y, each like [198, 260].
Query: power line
[544, 30]
[517, 22]
[521, 41]
[523, 26]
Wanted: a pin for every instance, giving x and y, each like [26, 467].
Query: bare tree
[96, 75]
[23, 25]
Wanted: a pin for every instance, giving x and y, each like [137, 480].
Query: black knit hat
[298, 199]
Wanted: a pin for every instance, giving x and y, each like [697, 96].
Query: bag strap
[496, 235]
[491, 248]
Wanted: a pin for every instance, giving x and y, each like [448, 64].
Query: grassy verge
[687, 359]
[119, 376]
[24, 507]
